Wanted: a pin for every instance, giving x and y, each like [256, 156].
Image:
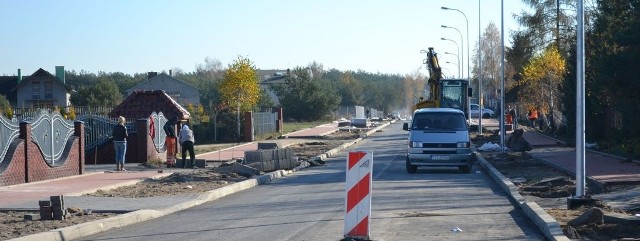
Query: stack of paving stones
[53, 209]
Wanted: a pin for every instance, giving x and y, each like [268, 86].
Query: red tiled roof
[141, 103]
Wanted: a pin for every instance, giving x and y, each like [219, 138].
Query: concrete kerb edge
[327, 133]
[547, 224]
[97, 226]
[228, 148]
[334, 151]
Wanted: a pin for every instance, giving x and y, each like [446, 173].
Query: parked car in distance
[475, 112]
[394, 115]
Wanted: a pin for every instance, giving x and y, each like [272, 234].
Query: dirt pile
[550, 188]
[13, 224]
[196, 181]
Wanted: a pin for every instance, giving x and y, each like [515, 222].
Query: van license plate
[439, 158]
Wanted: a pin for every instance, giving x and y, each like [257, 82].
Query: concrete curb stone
[90, 228]
[547, 224]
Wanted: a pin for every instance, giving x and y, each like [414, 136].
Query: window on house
[48, 89]
[35, 89]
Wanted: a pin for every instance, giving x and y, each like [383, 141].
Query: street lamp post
[457, 65]
[457, 49]
[458, 59]
[468, 40]
[461, 45]
[480, 101]
[468, 61]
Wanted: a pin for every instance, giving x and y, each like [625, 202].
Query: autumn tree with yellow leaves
[541, 81]
[239, 87]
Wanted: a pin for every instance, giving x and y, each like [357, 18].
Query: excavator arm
[435, 75]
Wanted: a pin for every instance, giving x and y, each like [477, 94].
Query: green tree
[517, 57]
[351, 89]
[611, 86]
[304, 99]
[5, 107]
[551, 22]
[104, 93]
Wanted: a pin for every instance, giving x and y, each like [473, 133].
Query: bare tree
[491, 62]
[414, 88]
[212, 68]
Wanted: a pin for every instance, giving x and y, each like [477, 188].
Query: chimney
[60, 73]
[170, 72]
[151, 74]
[19, 76]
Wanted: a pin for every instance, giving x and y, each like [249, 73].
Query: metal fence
[9, 130]
[98, 129]
[264, 122]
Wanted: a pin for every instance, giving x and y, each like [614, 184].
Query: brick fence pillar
[78, 130]
[141, 139]
[25, 134]
[248, 127]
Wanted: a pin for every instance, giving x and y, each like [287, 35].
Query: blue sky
[137, 36]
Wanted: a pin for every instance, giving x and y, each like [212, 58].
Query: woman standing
[120, 143]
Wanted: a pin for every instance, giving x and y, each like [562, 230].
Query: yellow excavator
[444, 93]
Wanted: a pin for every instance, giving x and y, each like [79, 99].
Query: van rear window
[439, 120]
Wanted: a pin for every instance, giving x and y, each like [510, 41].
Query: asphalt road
[309, 205]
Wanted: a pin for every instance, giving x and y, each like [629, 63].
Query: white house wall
[25, 94]
[181, 92]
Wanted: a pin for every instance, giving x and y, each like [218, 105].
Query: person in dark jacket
[120, 143]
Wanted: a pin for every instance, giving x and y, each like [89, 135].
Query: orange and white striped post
[358, 195]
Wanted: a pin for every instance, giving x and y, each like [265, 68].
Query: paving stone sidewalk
[604, 168]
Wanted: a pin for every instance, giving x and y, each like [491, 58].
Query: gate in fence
[50, 131]
[264, 122]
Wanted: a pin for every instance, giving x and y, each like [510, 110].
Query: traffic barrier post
[358, 195]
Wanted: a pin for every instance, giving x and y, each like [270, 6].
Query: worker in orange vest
[533, 116]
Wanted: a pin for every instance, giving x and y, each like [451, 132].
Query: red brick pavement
[599, 166]
[315, 131]
[66, 186]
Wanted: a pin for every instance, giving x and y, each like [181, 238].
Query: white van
[438, 137]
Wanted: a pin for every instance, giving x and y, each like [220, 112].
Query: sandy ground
[550, 188]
